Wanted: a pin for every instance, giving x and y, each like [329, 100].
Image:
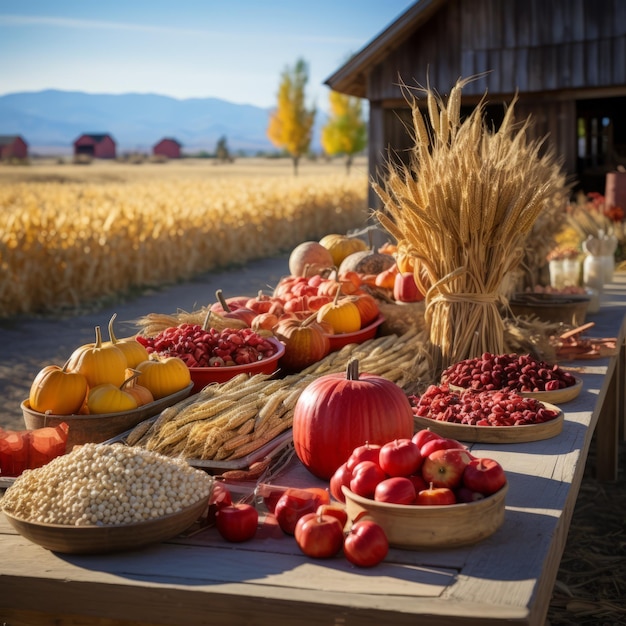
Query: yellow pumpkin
[163, 376]
[56, 391]
[341, 313]
[133, 351]
[341, 246]
[107, 398]
[99, 362]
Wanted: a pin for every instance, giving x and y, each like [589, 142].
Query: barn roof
[351, 78]
[97, 137]
[170, 139]
[6, 140]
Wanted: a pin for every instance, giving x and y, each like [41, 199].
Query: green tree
[291, 123]
[345, 132]
[222, 153]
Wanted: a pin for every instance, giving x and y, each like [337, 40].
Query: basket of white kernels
[106, 498]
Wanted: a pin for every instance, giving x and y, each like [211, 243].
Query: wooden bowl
[495, 434]
[558, 396]
[103, 539]
[565, 308]
[432, 527]
[99, 428]
[203, 376]
[340, 340]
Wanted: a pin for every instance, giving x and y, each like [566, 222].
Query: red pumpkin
[338, 412]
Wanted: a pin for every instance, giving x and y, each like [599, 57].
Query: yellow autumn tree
[291, 123]
[345, 132]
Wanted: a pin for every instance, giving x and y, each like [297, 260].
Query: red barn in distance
[96, 145]
[167, 147]
[12, 147]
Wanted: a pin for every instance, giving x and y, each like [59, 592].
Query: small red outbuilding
[96, 145]
[167, 147]
[12, 147]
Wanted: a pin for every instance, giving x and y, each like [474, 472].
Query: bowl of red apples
[426, 492]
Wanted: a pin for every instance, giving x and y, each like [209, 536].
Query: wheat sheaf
[463, 208]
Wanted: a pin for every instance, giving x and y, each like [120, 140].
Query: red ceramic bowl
[203, 376]
[343, 339]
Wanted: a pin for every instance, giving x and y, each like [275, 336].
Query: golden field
[73, 234]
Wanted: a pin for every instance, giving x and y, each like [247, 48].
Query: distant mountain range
[49, 121]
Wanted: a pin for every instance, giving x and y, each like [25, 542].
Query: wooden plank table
[200, 579]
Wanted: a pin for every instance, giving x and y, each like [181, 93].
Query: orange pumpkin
[368, 308]
[58, 391]
[386, 278]
[305, 342]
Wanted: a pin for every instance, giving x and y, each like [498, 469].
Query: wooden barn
[566, 58]
[167, 147]
[13, 147]
[96, 145]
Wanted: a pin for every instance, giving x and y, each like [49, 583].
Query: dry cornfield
[63, 244]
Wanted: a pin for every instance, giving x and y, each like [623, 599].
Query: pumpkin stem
[220, 298]
[98, 343]
[309, 320]
[352, 369]
[129, 381]
[112, 336]
[207, 317]
[338, 294]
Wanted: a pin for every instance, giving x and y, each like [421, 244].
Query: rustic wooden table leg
[610, 426]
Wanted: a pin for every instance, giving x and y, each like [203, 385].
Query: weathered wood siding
[532, 46]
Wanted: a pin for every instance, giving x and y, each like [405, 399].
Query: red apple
[444, 468]
[484, 475]
[405, 288]
[424, 435]
[365, 476]
[291, 506]
[366, 544]
[319, 536]
[366, 452]
[463, 494]
[434, 496]
[400, 457]
[440, 443]
[397, 490]
[334, 510]
[237, 522]
[342, 476]
[418, 482]
[220, 497]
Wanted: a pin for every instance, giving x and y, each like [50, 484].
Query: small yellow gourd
[99, 362]
[134, 352]
[107, 398]
[56, 391]
[163, 376]
[342, 314]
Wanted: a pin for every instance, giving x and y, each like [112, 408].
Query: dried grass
[463, 208]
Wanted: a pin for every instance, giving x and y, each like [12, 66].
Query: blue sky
[234, 50]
